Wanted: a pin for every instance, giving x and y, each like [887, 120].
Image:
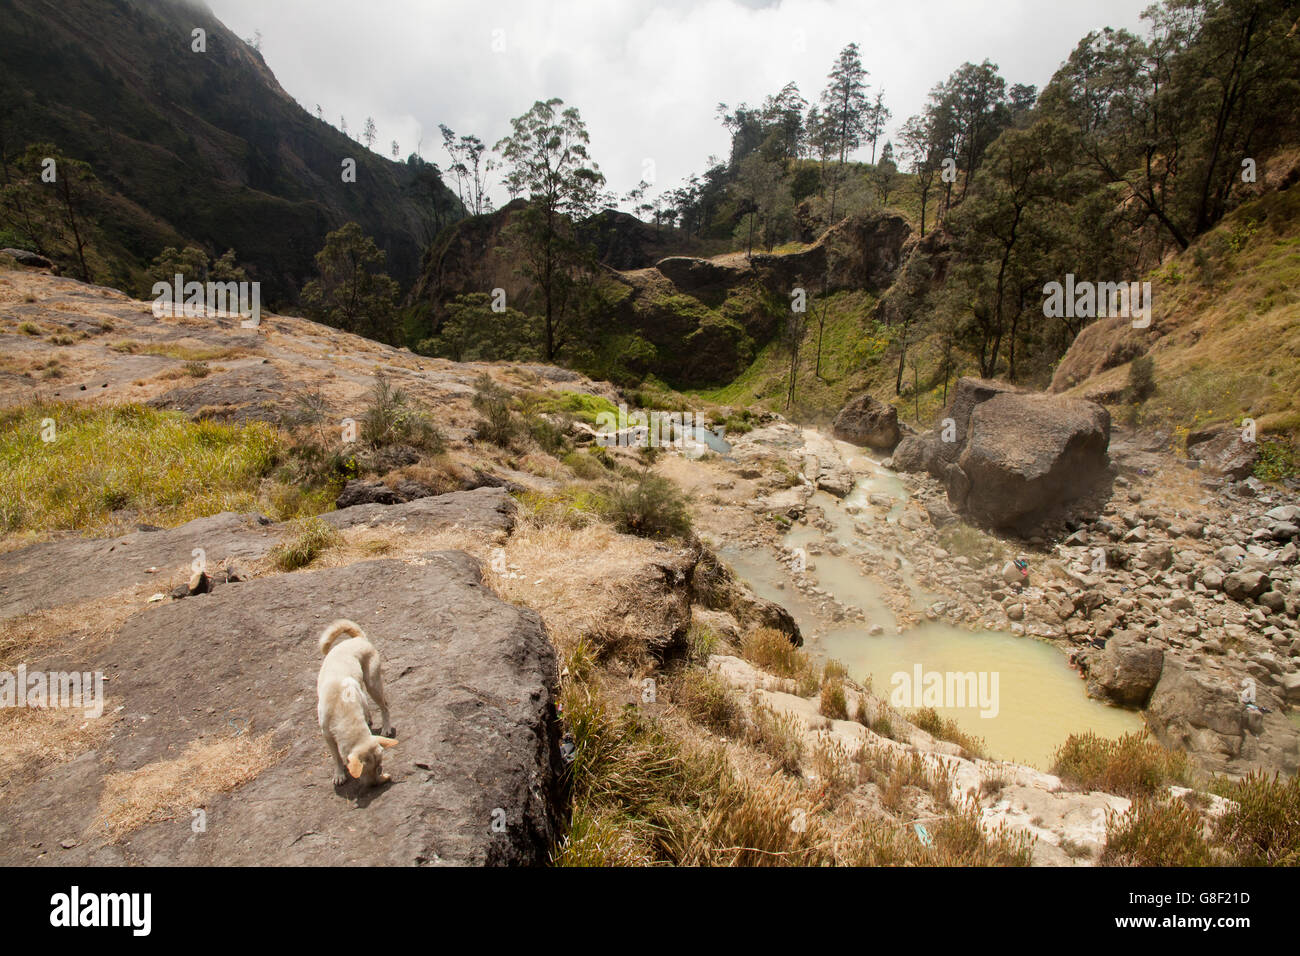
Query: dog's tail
[332, 634]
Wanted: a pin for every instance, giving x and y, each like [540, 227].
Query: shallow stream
[1032, 699]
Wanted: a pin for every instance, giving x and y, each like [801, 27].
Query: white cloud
[646, 75]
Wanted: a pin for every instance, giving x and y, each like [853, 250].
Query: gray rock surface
[72, 570]
[1226, 454]
[866, 421]
[471, 680]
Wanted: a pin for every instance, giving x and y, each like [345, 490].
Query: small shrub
[945, 728]
[1141, 379]
[1277, 460]
[708, 701]
[772, 651]
[701, 642]
[390, 419]
[29, 328]
[833, 702]
[779, 735]
[588, 466]
[493, 403]
[311, 537]
[833, 767]
[197, 369]
[1132, 766]
[1156, 833]
[1263, 829]
[548, 434]
[651, 506]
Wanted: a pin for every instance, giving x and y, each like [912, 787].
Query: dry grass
[586, 582]
[167, 788]
[31, 736]
[1133, 766]
[85, 624]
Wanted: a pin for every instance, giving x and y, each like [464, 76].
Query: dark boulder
[1126, 671]
[1028, 456]
[867, 421]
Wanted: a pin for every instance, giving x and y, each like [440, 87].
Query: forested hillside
[165, 145]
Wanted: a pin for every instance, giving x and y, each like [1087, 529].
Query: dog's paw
[390, 732]
[340, 779]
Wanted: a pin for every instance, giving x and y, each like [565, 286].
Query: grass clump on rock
[311, 538]
[945, 728]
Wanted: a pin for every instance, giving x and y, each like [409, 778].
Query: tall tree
[844, 101]
[877, 117]
[547, 156]
[352, 291]
[921, 152]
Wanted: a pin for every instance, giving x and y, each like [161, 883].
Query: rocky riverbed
[1179, 597]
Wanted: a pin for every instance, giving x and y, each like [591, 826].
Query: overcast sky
[645, 74]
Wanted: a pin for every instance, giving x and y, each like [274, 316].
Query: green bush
[493, 403]
[1156, 832]
[390, 419]
[651, 506]
[1132, 766]
[1141, 379]
[1263, 829]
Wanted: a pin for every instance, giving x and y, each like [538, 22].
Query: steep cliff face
[691, 321]
[198, 147]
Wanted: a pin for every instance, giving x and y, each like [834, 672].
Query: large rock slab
[867, 421]
[1126, 671]
[1027, 456]
[470, 678]
[73, 570]
[1194, 711]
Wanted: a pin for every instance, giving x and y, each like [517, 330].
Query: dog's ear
[386, 741]
[354, 766]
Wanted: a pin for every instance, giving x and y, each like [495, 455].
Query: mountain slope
[201, 147]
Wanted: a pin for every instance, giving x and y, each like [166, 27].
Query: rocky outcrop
[1225, 454]
[867, 421]
[717, 588]
[471, 680]
[1126, 671]
[72, 570]
[25, 258]
[1011, 459]
[1198, 712]
[255, 393]
[358, 491]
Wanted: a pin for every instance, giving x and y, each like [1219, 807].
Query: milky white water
[1040, 700]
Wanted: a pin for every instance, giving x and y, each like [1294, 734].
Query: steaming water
[1040, 699]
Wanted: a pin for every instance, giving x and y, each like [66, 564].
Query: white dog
[348, 687]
